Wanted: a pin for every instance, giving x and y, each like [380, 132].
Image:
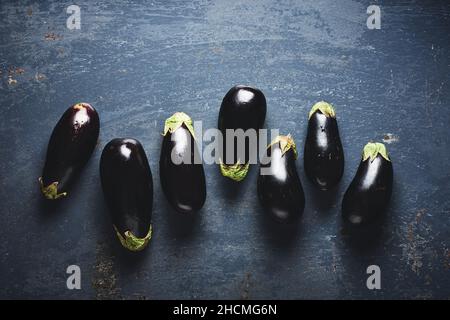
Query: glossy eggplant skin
[280, 192]
[369, 193]
[127, 185]
[243, 107]
[182, 182]
[324, 155]
[71, 145]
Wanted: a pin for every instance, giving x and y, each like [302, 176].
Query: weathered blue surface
[139, 63]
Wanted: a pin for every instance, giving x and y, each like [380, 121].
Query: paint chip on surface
[50, 36]
[39, 76]
[11, 81]
[390, 138]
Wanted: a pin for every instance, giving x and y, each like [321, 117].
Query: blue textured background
[137, 63]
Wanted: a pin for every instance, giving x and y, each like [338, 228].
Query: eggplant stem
[131, 242]
[373, 149]
[51, 191]
[286, 143]
[236, 172]
[324, 107]
[177, 120]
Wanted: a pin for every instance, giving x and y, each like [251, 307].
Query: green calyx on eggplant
[324, 155]
[243, 107]
[180, 168]
[70, 146]
[127, 185]
[280, 191]
[370, 191]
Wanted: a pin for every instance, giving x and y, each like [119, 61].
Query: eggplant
[279, 188]
[127, 185]
[71, 145]
[370, 191]
[243, 108]
[324, 155]
[180, 167]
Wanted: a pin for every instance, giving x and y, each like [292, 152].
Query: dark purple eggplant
[324, 156]
[280, 191]
[71, 145]
[242, 108]
[128, 191]
[370, 191]
[180, 165]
